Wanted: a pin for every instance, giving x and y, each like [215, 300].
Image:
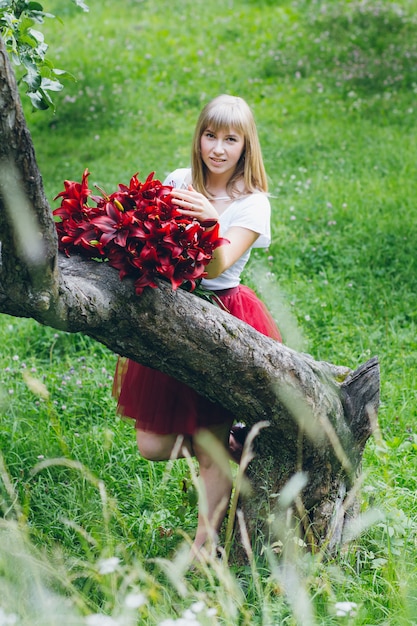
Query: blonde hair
[222, 113]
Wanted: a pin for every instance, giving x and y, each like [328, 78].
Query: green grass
[334, 90]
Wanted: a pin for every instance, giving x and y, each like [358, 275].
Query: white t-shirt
[252, 212]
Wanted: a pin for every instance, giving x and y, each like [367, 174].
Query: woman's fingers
[193, 204]
[188, 200]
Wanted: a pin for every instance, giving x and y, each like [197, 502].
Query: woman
[226, 183]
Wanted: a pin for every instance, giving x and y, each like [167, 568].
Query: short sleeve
[180, 179]
[254, 213]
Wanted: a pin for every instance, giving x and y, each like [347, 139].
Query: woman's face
[221, 150]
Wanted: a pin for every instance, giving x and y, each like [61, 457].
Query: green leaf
[82, 5]
[24, 26]
[34, 6]
[32, 77]
[63, 73]
[15, 57]
[38, 100]
[51, 85]
[37, 35]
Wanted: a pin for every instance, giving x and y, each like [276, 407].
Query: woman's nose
[218, 148]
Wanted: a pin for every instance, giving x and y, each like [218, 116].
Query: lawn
[92, 533]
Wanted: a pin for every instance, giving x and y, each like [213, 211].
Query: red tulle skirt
[160, 404]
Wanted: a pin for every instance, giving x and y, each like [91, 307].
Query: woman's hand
[193, 204]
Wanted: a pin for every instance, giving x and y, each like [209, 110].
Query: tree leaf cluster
[25, 43]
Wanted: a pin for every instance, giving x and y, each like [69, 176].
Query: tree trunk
[319, 414]
[326, 458]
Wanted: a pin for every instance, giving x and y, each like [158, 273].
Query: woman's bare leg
[155, 447]
[213, 459]
[216, 479]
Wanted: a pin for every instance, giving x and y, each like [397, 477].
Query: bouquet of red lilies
[137, 230]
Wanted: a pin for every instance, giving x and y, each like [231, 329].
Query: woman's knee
[155, 447]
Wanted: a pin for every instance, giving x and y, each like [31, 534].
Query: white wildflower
[344, 609]
[108, 566]
[197, 607]
[135, 600]
[190, 617]
[7, 619]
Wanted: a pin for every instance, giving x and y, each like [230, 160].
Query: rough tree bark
[319, 414]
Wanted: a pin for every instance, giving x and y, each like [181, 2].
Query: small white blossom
[108, 566]
[189, 615]
[7, 619]
[135, 600]
[197, 607]
[344, 609]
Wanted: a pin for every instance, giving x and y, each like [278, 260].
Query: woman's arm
[194, 204]
[226, 255]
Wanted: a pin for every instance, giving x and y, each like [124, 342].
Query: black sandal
[237, 438]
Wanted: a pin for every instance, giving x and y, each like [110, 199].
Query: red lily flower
[116, 225]
[76, 191]
[72, 235]
[138, 230]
